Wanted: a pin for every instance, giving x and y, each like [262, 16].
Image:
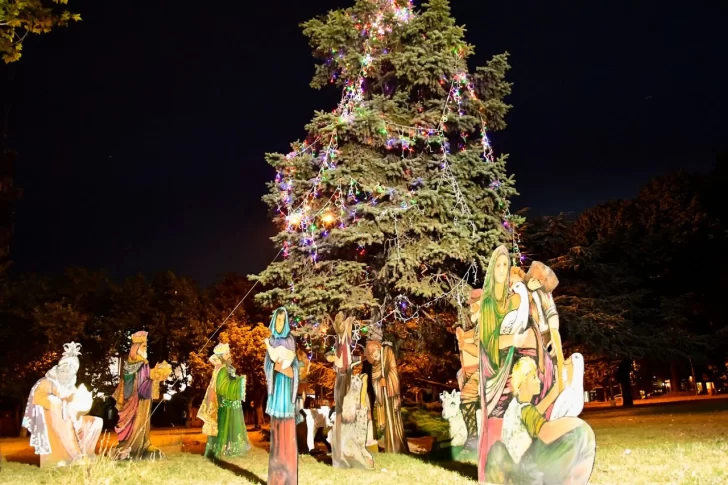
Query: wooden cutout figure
[452, 413]
[138, 387]
[534, 450]
[385, 379]
[281, 374]
[221, 409]
[352, 411]
[519, 390]
[353, 427]
[55, 417]
[469, 379]
[541, 282]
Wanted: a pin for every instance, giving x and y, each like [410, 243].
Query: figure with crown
[55, 416]
[221, 410]
[281, 374]
[138, 386]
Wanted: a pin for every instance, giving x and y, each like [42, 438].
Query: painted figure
[281, 373]
[385, 379]
[55, 417]
[469, 377]
[138, 387]
[534, 450]
[222, 411]
[517, 321]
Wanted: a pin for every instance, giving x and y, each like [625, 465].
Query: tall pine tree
[394, 202]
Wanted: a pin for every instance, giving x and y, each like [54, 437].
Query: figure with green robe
[221, 410]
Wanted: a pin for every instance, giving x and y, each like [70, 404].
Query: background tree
[391, 198]
[18, 18]
[633, 285]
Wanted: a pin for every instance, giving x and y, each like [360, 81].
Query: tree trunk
[674, 377]
[623, 377]
[188, 421]
[19, 411]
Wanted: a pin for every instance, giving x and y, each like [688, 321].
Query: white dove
[571, 400]
[516, 320]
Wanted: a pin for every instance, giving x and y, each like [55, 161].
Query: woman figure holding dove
[281, 374]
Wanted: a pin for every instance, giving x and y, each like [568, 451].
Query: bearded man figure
[222, 410]
[137, 388]
[55, 415]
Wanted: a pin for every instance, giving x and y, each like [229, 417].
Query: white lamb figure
[516, 320]
[452, 413]
[571, 400]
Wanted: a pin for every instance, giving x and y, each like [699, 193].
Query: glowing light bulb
[328, 218]
[294, 219]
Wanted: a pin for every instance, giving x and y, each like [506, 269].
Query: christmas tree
[395, 201]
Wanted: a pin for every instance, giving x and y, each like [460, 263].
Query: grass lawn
[684, 443]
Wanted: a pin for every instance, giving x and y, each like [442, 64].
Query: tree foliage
[18, 18]
[634, 283]
[405, 224]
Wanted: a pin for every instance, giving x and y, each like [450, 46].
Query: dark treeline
[641, 281]
[39, 313]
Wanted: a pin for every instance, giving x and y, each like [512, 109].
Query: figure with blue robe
[281, 373]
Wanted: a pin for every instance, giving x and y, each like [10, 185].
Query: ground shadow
[466, 469]
[24, 458]
[238, 471]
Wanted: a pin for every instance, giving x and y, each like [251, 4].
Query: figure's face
[66, 374]
[376, 354]
[501, 269]
[532, 385]
[226, 356]
[142, 351]
[280, 321]
[475, 312]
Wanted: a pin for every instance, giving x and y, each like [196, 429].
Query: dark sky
[141, 130]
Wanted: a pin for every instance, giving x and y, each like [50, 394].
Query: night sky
[141, 130]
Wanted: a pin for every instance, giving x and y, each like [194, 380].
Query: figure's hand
[278, 367]
[533, 284]
[382, 382]
[460, 335]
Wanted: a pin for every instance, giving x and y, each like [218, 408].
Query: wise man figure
[137, 388]
[385, 380]
[55, 415]
[222, 411]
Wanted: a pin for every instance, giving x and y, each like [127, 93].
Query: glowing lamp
[294, 219]
[328, 218]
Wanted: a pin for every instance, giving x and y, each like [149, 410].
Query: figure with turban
[138, 386]
[222, 411]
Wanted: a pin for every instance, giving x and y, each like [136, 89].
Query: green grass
[683, 444]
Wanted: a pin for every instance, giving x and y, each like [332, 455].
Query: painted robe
[59, 433]
[134, 400]
[222, 413]
[281, 407]
[387, 414]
